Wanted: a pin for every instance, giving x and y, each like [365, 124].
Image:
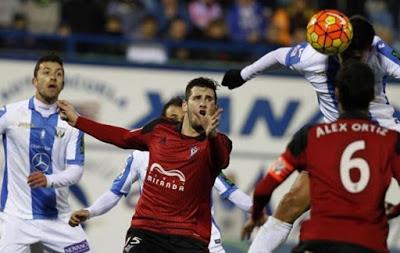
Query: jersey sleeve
[293, 158]
[224, 186]
[3, 119]
[130, 174]
[389, 58]
[295, 151]
[121, 137]
[76, 148]
[269, 61]
[396, 160]
[220, 150]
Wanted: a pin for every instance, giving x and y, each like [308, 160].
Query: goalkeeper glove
[232, 79]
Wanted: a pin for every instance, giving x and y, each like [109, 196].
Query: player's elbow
[292, 205]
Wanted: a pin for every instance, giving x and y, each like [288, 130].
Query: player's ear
[184, 106]
[34, 81]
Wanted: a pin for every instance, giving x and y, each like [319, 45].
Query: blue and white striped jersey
[36, 139]
[136, 168]
[320, 70]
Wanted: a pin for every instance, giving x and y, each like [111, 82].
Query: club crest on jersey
[193, 151]
[60, 132]
[169, 179]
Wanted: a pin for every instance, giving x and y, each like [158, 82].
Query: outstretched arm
[234, 78]
[228, 190]
[100, 206]
[121, 137]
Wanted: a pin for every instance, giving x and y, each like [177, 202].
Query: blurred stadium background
[125, 58]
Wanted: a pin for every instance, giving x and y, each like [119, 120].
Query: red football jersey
[350, 164]
[182, 170]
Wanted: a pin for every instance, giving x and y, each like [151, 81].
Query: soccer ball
[329, 32]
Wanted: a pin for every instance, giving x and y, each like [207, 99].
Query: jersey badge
[193, 151]
[396, 54]
[60, 132]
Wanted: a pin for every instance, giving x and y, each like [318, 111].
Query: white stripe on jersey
[36, 143]
[320, 70]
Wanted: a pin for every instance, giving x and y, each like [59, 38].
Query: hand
[392, 211]
[37, 179]
[210, 122]
[232, 79]
[78, 217]
[67, 112]
[249, 227]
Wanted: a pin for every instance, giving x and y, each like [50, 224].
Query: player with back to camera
[173, 212]
[350, 163]
[320, 70]
[135, 170]
[43, 155]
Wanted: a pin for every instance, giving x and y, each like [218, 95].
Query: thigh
[17, 234]
[183, 244]
[140, 241]
[58, 236]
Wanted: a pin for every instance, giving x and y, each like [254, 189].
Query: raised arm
[234, 78]
[121, 137]
[101, 205]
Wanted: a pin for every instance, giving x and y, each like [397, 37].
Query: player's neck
[187, 128]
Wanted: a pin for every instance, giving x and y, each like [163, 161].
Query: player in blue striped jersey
[135, 171]
[43, 155]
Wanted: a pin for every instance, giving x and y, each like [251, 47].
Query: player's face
[201, 102]
[49, 82]
[360, 55]
[174, 112]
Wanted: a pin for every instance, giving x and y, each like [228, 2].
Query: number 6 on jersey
[347, 163]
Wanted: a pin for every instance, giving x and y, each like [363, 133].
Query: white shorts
[55, 235]
[215, 245]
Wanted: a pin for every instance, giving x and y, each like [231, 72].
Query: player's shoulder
[159, 122]
[300, 139]
[382, 49]
[304, 55]
[15, 109]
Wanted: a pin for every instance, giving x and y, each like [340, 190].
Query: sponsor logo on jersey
[169, 179]
[77, 248]
[40, 162]
[25, 125]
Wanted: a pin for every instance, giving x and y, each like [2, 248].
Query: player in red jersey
[173, 213]
[350, 163]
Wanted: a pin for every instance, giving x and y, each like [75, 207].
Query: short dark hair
[201, 82]
[175, 101]
[363, 35]
[48, 58]
[355, 82]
